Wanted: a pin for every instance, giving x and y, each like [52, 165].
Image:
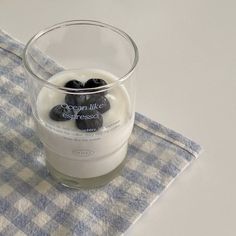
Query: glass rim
[81, 22]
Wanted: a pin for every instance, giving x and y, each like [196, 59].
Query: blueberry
[75, 84]
[99, 103]
[89, 120]
[75, 100]
[95, 83]
[61, 113]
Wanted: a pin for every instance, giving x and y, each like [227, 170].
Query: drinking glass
[81, 80]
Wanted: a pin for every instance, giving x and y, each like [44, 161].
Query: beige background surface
[187, 81]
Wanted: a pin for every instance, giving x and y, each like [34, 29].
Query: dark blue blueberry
[95, 83]
[75, 84]
[61, 113]
[89, 120]
[75, 100]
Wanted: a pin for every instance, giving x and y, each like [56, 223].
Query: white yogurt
[79, 153]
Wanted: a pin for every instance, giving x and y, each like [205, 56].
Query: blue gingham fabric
[31, 203]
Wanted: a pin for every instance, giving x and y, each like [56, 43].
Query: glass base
[85, 183]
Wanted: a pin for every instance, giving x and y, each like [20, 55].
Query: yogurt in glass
[78, 153]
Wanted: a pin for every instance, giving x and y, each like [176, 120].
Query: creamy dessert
[84, 135]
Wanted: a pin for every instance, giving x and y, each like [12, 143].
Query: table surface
[186, 81]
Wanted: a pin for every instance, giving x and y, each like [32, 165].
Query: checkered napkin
[31, 203]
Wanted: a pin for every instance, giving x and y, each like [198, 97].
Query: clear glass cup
[81, 78]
